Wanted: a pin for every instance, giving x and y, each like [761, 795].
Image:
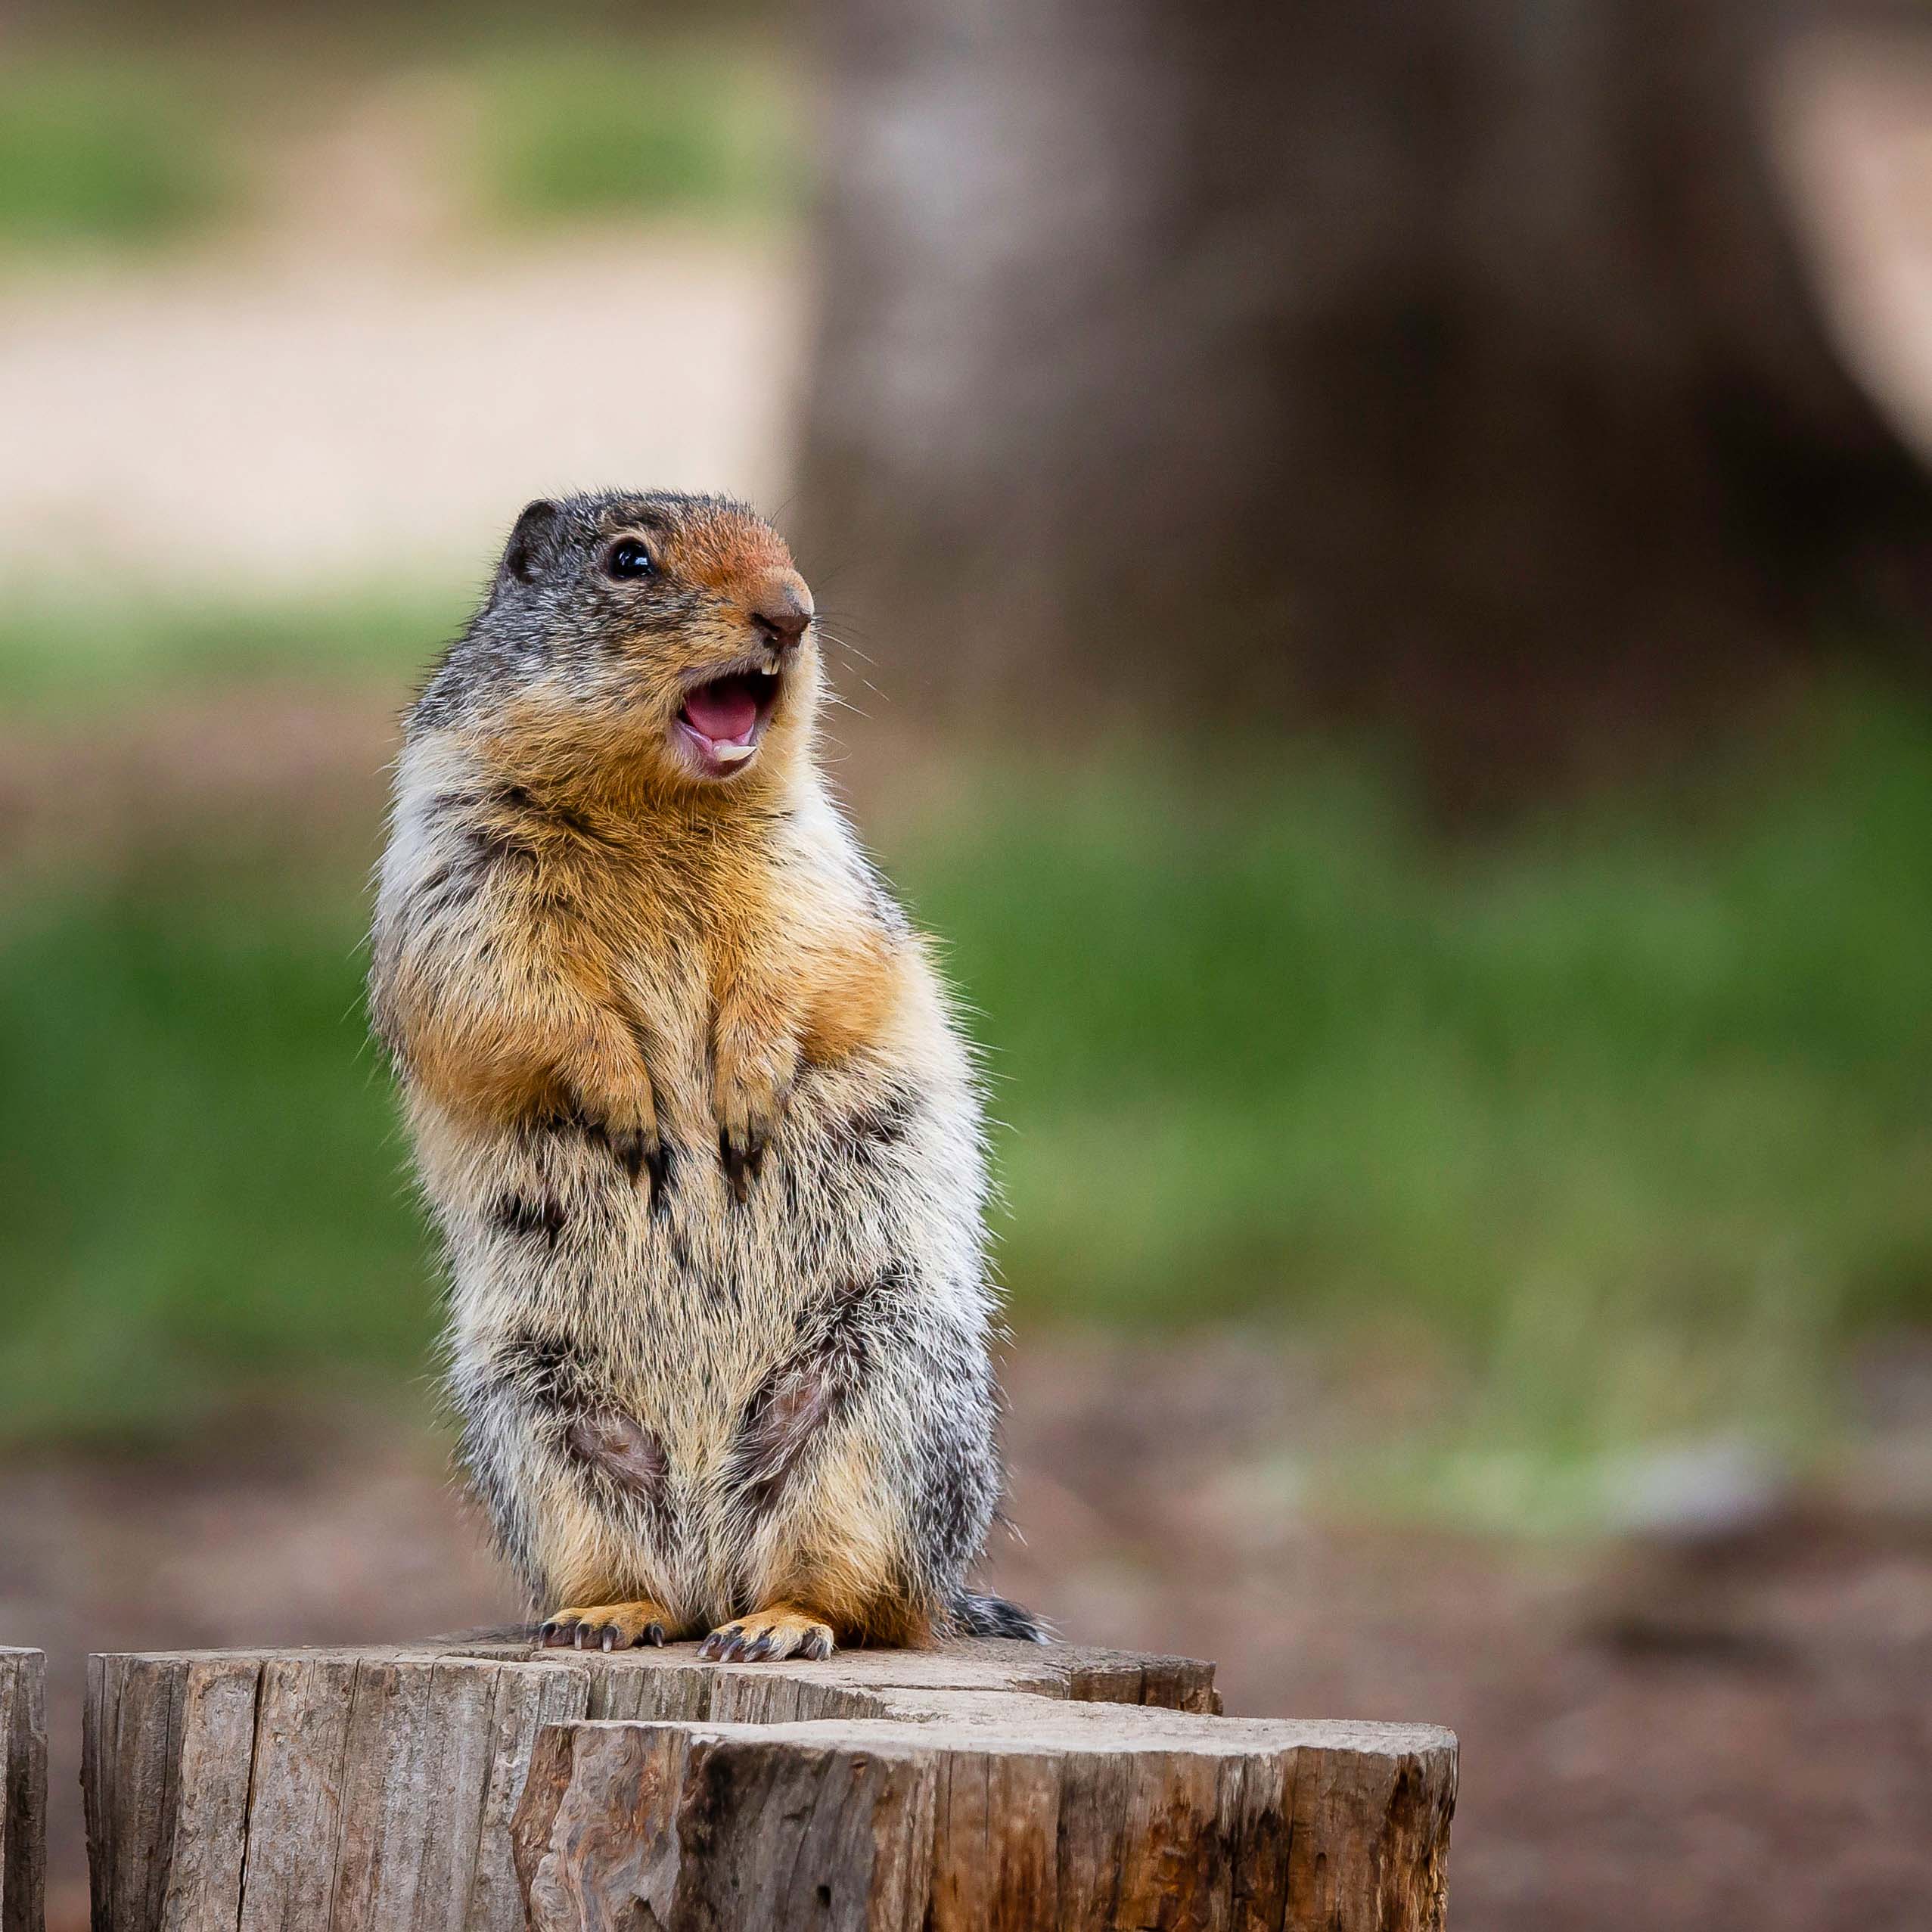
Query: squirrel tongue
[724, 711]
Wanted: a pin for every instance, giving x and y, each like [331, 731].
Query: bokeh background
[1379, 560]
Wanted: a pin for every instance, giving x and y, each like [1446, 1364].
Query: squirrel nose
[782, 609]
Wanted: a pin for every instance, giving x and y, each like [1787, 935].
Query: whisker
[846, 704]
[846, 644]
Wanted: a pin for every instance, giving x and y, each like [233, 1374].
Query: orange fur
[569, 1031]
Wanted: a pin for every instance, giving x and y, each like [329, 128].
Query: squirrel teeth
[732, 754]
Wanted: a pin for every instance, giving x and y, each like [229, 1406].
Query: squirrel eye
[629, 558]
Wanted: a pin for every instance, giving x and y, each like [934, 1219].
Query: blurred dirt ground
[1732, 1732]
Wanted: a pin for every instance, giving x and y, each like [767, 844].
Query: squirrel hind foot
[778, 1631]
[609, 1626]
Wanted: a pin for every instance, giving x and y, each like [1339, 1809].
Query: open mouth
[723, 719]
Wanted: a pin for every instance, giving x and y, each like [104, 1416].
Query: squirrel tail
[975, 1615]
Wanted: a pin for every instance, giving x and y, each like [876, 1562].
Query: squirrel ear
[532, 545]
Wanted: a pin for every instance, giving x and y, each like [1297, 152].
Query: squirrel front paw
[641, 1153]
[621, 1110]
[749, 1096]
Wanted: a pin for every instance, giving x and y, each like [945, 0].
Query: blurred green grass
[105, 156]
[204, 1197]
[1621, 1114]
[1293, 1038]
[68, 650]
[672, 127]
[524, 128]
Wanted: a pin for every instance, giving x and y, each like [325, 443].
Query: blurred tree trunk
[1444, 363]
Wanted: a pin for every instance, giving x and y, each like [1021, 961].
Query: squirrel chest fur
[699, 1135]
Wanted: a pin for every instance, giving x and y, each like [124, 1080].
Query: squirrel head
[669, 634]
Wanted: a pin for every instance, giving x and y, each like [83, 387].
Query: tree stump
[23, 1790]
[333, 1791]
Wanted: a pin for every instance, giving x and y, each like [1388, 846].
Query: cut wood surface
[23, 1790]
[335, 1791]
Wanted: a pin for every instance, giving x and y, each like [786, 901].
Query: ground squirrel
[701, 1139]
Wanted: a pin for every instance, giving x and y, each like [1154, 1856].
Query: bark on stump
[950, 1810]
[332, 1791]
[23, 1790]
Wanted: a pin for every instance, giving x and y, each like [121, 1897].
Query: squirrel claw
[722, 1645]
[640, 1153]
[742, 1156]
[657, 1164]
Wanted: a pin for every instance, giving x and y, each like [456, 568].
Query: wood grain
[23, 1790]
[347, 1790]
[978, 1809]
